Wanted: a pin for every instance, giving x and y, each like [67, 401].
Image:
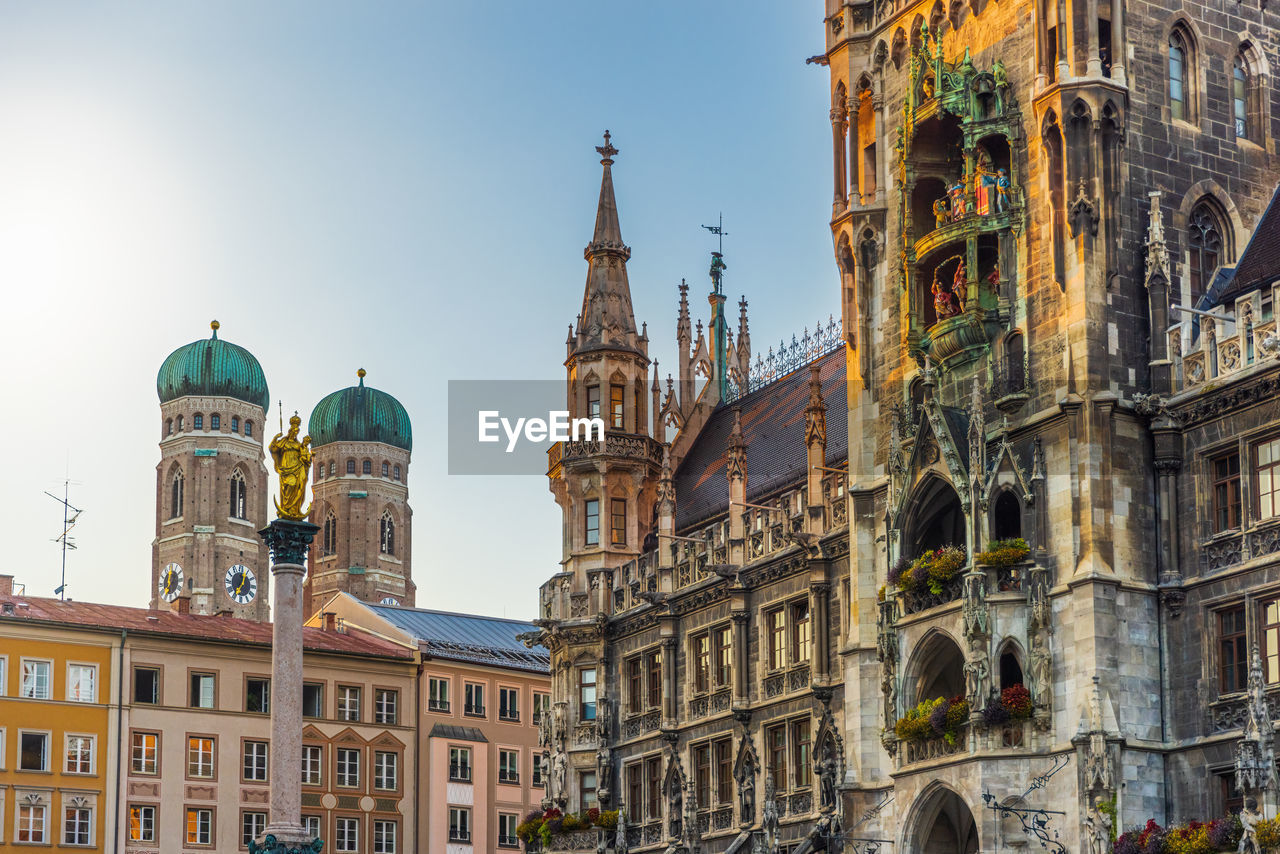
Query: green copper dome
[213, 368]
[360, 414]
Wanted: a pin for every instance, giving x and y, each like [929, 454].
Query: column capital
[289, 541]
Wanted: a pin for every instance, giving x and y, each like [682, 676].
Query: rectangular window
[82, 682]
[507, 830]
[541, 706]
[146, 685]
[385, 836]
[312, 764]
[587, 694]
[386, 706]
[776, 625]
[1233, 658]
[775, 739]
[1226, 492]
[312, 824]
[653, 787]
[348, 703]
[702, 775]
[386, 770]
[508, 766]
[701, 666]
[635, 785]
[200, 756]
[257, 696]
[32, 823]
[724, 770]
[202, 688]
[347, 835]
[437, 695]
[199, 826]
[459, 824]
[460, 764]
[77, 826]
[312, 700]
[724, 656]
[33, 751]
[252, 826]
[801, 632]
[349, 767]
[618, 522]
[593, 401]
[473, 699]
[142, 824]
[536, 778]
[255, 762]
[1271, 640]
[35, 679]
[79, 754]
[615, 406]
[593, 522]
[1266, 478]
[1232, 799]
[509, 704]
[635, 686]
[654, 661]
[145, 752]
[587, 790]
[800, 762]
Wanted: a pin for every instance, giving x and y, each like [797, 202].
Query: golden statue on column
[292, 460]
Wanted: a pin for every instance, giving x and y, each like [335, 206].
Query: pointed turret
[606, 320]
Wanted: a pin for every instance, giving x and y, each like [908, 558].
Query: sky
[403, 187]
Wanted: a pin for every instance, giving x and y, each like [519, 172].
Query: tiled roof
[773, 429]
[1259, 264]
[91, 615]
[468, 637]
[457, 733]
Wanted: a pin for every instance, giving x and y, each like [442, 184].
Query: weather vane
[719, 231]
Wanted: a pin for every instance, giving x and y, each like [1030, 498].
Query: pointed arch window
[215, 422]
[248, 428]
[396, 471]
[176, 488]
[239, 505]
[386, 469]
[387, 534]
[351, 466]
[332, 467]
[235, 424]
[1179, 81]
[1205, 242]
[168, 427]
[367, 467]
[197, 422]
[1240, 97]
[179, 423]
[329, 542]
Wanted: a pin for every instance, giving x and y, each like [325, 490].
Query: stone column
[741, 663]
[669, 682]
[819, 596]
[840, 158]
[289, 541]
[1118, 49]
[1093, 63]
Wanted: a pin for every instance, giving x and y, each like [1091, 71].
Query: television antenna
[68, 522]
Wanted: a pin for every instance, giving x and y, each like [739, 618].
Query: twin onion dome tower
[212, 494]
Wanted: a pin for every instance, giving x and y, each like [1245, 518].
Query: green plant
[608, 819]
[946, 563]
[1004, 552]
[573, 822]
[1108, 808]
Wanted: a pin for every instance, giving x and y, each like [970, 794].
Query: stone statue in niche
[941, 213]
[827, 771]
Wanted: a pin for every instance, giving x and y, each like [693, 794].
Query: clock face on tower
[241, 584]
[170, 582]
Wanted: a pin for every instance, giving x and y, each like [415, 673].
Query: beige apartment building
[482, 694]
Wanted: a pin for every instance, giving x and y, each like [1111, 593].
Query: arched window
[235, 424]
[387, 534]
[1204, 241]
[1015, 363]
[1240, 98]
[179, 423]
[168, 427]
[332, 467]
[215, 422]
[1180, 66]
[351, 466]
[176, 487]
[366, 467]
[248, 428]
[1007, 516]
[386, 469]
[1010, 668]
[239, 507]
[330, 540]
[197, 422]
[396, 471]
[319, 471]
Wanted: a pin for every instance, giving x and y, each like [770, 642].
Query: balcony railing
[509, 715]
[1223, 345]
[437, 705]
[474, 711]
[508, 777]
[456, 835]
[459, 773]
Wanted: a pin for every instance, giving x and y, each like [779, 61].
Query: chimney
[6, 585]
[330, 621]
[182, 604]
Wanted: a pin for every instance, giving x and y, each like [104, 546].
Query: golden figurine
[293, 464]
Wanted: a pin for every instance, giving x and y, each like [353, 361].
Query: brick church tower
[211, 482]
[362, 441]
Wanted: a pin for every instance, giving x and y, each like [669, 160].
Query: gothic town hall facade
[992, 560]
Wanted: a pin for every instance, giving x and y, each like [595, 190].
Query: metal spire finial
[607, 151]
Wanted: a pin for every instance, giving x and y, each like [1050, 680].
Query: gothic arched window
[1205, 244]
[1240, 98]
[330, 539]
[176, 487]
[386, 469]
[397, 472]
[248, 428]
[366, 467]
[197, 421]
[332, 467]
[168, 427]
[351, 466]
[1181, 65]
[179, 423]
[239, 506]
[215, 422]
[387, 534]
[235, 424]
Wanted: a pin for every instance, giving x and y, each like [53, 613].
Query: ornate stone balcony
[1223, 551]
[973, 223]
[1223, 346]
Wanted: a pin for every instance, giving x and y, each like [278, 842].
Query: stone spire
[606, 319]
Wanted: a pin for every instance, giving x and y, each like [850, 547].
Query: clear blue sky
[403, 187]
